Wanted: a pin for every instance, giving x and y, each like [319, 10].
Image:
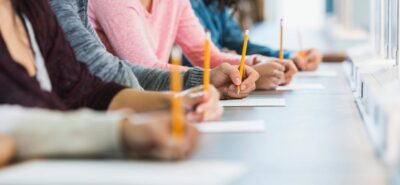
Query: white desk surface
[317, 139]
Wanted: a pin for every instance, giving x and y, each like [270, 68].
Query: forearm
[159, 80]
[140, 101]
[43, 133]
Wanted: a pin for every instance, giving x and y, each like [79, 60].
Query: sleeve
[158, 80]
[89, 50]
[71, 80]
[44, 133]
[191, 38]
[129, 41]
[232, 38]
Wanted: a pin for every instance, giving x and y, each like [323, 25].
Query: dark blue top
[225, 31]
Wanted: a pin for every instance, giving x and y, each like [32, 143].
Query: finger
[250, 88]
[195, 117]
[193, 140]
[195, 99]
[232, 72]
[278, 74]
[279, 65]
[251, 75]
[192, 90]
[232, 94]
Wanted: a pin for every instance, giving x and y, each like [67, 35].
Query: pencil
[176, 87]
[281, 42]
[302, 52]
[206, 78]
[244, 51]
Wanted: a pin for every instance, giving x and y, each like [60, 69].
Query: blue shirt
[225, 31]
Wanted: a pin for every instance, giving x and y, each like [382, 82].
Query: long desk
[318, 139]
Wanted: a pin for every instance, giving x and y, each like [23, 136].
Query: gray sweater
[73, 18]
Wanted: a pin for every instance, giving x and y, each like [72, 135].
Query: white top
[42, 76]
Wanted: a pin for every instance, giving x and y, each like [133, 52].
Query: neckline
[152, 8]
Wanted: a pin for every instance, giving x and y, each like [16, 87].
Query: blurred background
[341, 23]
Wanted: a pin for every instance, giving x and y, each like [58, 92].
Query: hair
[225, 4]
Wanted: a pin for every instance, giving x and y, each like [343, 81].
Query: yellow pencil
[302, 52]
[281, 42]
[176, 87]
[244, 51]
[206, 78]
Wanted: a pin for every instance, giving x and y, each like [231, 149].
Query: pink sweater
[132, 33]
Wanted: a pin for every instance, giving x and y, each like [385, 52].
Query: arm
[103, 64]
[191, 38]
[43, 133]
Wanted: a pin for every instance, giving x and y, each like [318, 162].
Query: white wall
[297, 13]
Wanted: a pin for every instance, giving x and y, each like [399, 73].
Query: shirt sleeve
[232, 38]
[44, 133]
[191, 37]
[71, 80]
[128, 40]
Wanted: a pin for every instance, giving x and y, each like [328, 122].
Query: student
[73, 17]
[38, 133]
[39, 69]
[216, 15]
[145, 31]
[7, 149]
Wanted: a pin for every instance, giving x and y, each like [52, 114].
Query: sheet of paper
[320, 73]
[231, 126]
[255, 102]
[300, 86]
[75, 172]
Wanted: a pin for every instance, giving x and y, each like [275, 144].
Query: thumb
[232, 72]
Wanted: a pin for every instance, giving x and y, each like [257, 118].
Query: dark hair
[225, 4]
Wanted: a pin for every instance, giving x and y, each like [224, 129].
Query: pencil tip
[247, 32]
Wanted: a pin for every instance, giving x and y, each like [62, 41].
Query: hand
[200, 105]
[226, 77]
[149, 136]
[7, 149]
[271, 73]
[310, 61]
[290, 71]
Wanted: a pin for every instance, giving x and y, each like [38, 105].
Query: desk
[318, 139]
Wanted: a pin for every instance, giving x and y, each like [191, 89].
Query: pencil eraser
[176, 52]
[208, 35]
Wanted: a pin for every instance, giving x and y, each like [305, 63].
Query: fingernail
[237, 81]
[231, 88]
[225, 90]
[243, 87]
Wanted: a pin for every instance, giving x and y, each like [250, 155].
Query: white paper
[231, 126]
[317, 74]
[300, 86]
[255, 102]
[75, 172]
